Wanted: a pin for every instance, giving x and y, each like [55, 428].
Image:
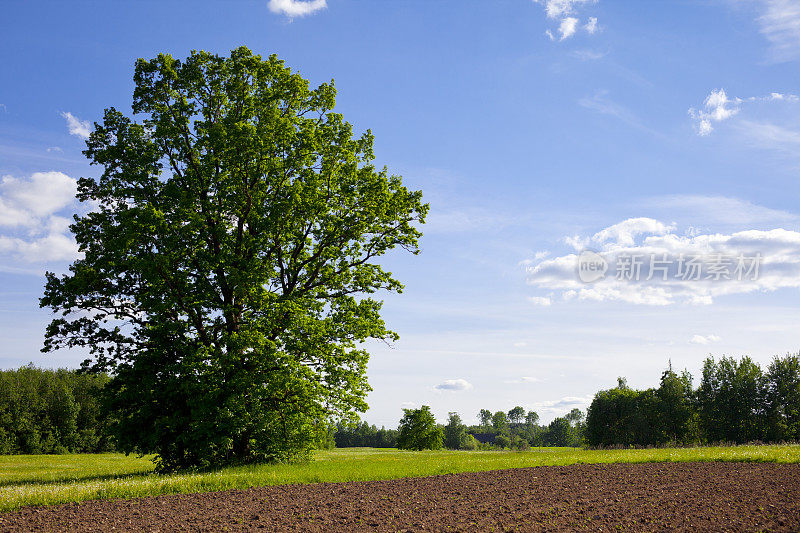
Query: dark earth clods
[627, 497]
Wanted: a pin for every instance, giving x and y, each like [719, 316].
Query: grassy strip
[46, 480]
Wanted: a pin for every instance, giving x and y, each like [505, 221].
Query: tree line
[736, 401]
[61, 411]
[515, 429]
[52, 411]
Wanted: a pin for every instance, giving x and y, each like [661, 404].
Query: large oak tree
[228, 261]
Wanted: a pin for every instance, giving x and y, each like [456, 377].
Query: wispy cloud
[600, 103]
[721, 210]
[296, 8]
[589, 55]
[779, 22]
[77, 127]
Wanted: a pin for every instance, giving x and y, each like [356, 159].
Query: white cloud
[539, 300]
[567, 27]
[564, 12]
[52, 247]
[562, 406]
[704, 339]
[557, 9]
[296, 8]
[77, 127]
[34, 231]
[718, 107]
[454, 385]
[626, 231]
[650, 264]
[54, 149]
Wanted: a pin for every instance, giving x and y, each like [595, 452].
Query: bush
[468, 442]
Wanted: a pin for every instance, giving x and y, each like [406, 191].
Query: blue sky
[535, 130]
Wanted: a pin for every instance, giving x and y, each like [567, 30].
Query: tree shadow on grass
[36, 479]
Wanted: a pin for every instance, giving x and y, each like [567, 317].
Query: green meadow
[53, 479]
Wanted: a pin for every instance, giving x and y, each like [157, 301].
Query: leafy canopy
[419, 431]
[228, 259]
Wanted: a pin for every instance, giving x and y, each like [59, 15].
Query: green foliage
[455, 432]
[364, 435]
[418, 430]
[500, 422]
[485, 417]
[516, 415]
[735, 402]
[469, 442]
[782, 397]
[51, 411]
[228, 262]
[559, 433]
[674, 397]
[619, 416]
[502, 441]
[731, 400]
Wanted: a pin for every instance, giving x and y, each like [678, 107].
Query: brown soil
[641, 497]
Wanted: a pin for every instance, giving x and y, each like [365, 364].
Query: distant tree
[559, 433]
[500, 422]
[418, 430]
[516, 415]
[620, 416]
[502, 441]
[674, 415]
[485, 418]
[51, 411]
[455, 432]
[731, 400]
[783, 398]
[531, 429]
[364, 435]
[574, 417]
[229, 260]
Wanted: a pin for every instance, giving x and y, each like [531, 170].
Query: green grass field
[51, 479]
